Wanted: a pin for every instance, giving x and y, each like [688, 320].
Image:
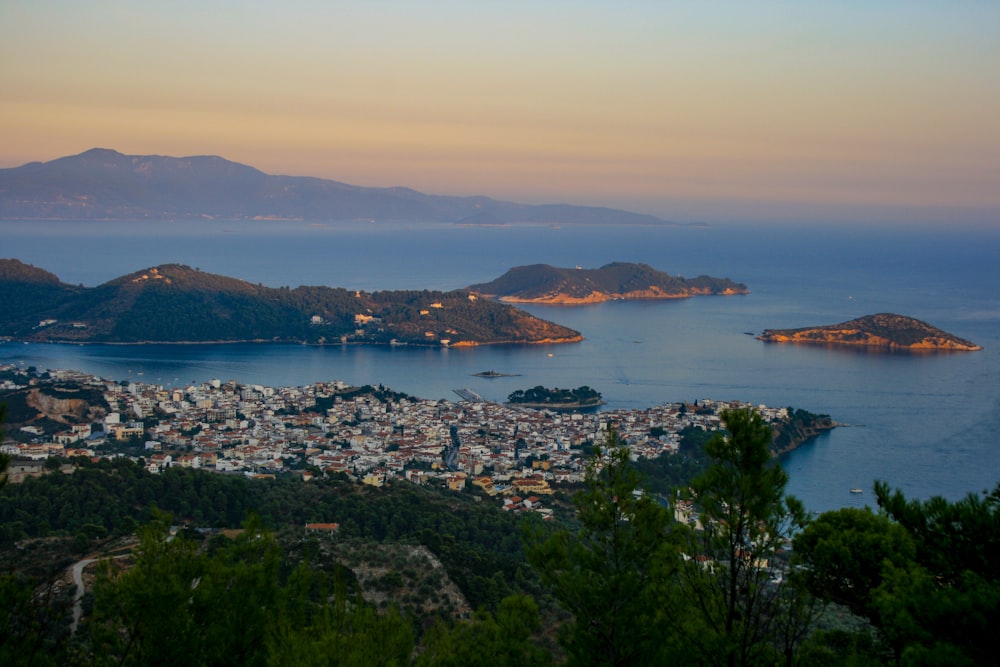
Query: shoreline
[559, 407]
[262, 341]
[605, 298]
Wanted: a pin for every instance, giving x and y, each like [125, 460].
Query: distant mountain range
[175, 303]
[541, 283]
[102, 184]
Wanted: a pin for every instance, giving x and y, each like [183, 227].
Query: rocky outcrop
[800, 427]
[62, 410]
[885, 331]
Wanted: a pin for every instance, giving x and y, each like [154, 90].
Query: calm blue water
[927, 424]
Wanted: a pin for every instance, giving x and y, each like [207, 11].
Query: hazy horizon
[716, 112]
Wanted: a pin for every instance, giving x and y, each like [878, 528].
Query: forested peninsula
[885, 331]
[545, 284]
[175, 303]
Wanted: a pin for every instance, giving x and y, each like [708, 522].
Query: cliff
[544, 284]
[800, 427]
[53, 405]
[885, 331]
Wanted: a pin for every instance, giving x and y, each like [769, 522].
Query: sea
[927, 424]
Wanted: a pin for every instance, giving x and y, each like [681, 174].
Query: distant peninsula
[884, 331]
[545, 284]
[103, 184]
[173, 303]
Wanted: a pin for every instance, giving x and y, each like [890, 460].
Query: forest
[723, 568]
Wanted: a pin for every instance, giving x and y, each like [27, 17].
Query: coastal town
[373, 435]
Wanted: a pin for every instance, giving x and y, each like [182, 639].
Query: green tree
[925, 573]
[604, 573]
[4, 459]
[227, 603]
[740, 614]
[842, 556]
[32, 622]
[319, 624]
[180, 605]
[943, 608]
[503, 640]
[142, 614]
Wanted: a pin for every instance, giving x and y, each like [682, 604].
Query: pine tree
[604, 574]
[740, 613]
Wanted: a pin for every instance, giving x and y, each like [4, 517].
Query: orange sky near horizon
[770, 110]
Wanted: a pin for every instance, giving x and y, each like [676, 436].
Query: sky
[850, 111]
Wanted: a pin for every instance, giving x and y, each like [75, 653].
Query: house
[534, 484]
[374, 479]
[484, 483]
[456, 482]
[322, 527]
[189, 461]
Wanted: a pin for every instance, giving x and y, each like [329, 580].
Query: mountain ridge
[103, 184]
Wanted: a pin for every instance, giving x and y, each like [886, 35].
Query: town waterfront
[925, 423]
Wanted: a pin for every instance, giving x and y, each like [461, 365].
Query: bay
[927, 424]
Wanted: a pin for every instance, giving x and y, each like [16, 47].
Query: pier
[469, 395]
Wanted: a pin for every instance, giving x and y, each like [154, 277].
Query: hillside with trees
[416, 575]
[175, 303]
[541, 283]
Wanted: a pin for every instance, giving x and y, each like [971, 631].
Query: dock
[469, 395]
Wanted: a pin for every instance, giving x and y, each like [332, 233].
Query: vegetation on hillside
[539, 396]
[174, 303]
[707, 578]
[614, 280]
[884, 330]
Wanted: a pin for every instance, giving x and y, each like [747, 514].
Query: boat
[857, 490]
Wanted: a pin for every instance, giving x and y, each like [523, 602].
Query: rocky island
[885, 331]
[173, 303]
[544, 284]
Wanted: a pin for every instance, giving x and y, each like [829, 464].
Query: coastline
[267, 341]
[600, 297]
[558, 407]
[879, 346]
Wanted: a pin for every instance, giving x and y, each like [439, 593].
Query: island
[173, 303]
[884, 331]
[545, 284]
[540, 397]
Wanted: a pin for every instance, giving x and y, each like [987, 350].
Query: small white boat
[856, 490]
